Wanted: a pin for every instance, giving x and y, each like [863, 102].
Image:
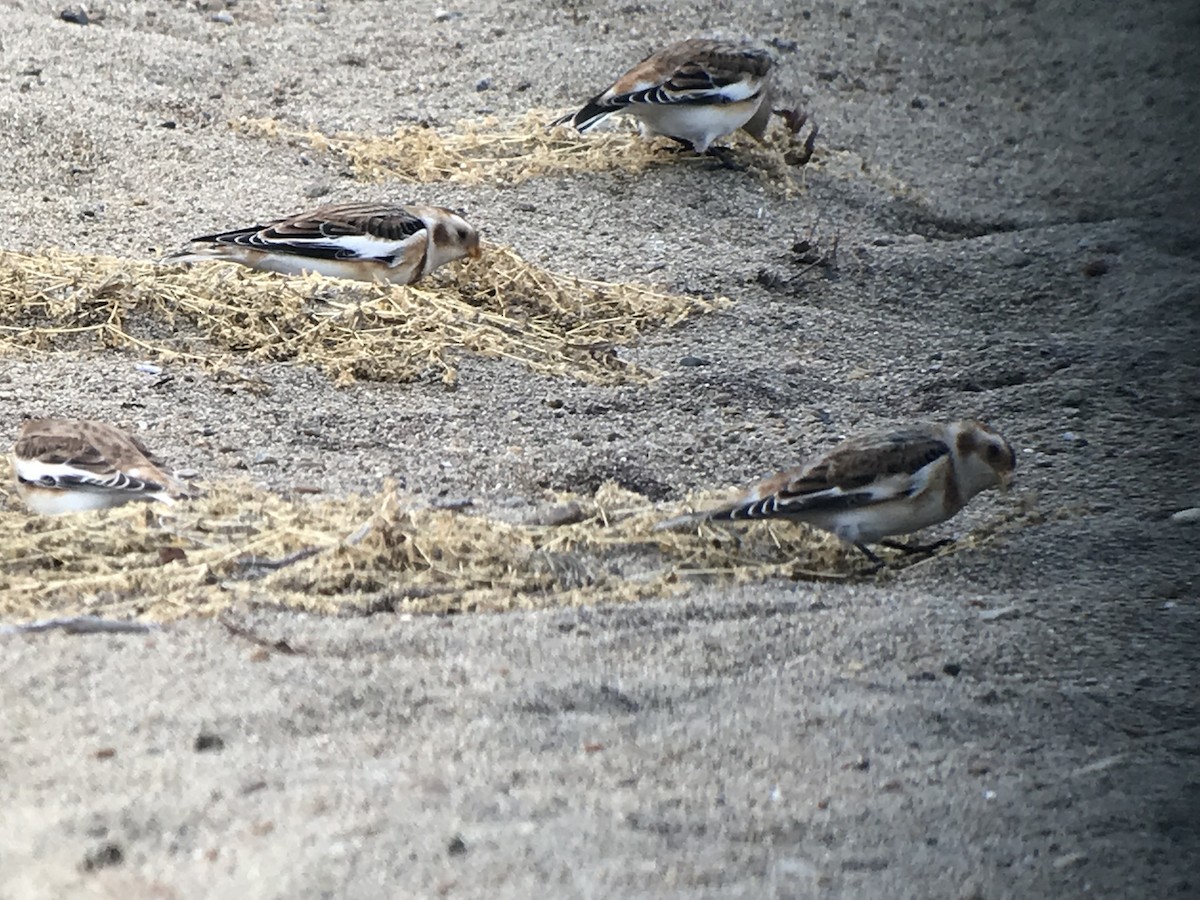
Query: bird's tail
[193, 252]
[592, 114]
[686, 520]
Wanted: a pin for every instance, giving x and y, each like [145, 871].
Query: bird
[694, 91]
[73, 465]
[359, 241]
[877, 485]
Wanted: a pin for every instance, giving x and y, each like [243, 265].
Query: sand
[1004, 196]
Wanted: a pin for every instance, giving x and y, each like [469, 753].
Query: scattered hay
[498, 306]
[240, 544]
[509, 152]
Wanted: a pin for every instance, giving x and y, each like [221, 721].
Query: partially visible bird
[695, 91]
[871, 487]
[70, 465]
[360, 241]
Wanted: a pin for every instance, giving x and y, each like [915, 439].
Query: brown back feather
[859, 461]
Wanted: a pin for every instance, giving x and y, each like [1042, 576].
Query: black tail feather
[592, 113]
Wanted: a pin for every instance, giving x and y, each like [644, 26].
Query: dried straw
[240, 544]
[496, 151]
[498, 306]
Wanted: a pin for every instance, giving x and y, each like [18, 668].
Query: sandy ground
[1020, 243]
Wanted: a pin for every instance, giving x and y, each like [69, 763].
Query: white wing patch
[367, 247]
[67, 477]
[735, 93]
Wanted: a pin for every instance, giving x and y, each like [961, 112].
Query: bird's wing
[691, 72]
[856, 473]
[70, 462]
[350, 231]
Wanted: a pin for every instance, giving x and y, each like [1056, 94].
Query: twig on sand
[262, 562]
[279, 646]
[81, 625]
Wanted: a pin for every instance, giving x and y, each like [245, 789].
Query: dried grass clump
[240, 544]
[498, 306]
[508, 152]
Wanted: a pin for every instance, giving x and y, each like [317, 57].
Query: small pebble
[103, 857]
[206, 743]
[557, 514]
[1186, 516]
[1073, 398]
[693, 361]
[1068, 860]
[483, 84]
[445, 15]
[223, 18]
[76, 15]
[451, 503]
[1004, 612]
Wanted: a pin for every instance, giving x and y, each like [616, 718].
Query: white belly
[872, 523]
[50, 502]
[697, 124]
[331, 268]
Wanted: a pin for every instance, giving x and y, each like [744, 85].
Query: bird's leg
[679, 145]
[727, 157]
[876, 562]
[916, 548]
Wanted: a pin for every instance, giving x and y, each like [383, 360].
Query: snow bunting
[887, 483]
[695, 91]
[361, 241]
[67, 465]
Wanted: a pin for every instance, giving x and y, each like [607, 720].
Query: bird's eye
[994, 453]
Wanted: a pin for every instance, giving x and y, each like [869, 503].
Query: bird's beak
[1006, 482]
[475, 252]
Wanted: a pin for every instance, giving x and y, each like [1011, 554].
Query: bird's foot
[917, 548]
[726, 158]
[876, 563]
